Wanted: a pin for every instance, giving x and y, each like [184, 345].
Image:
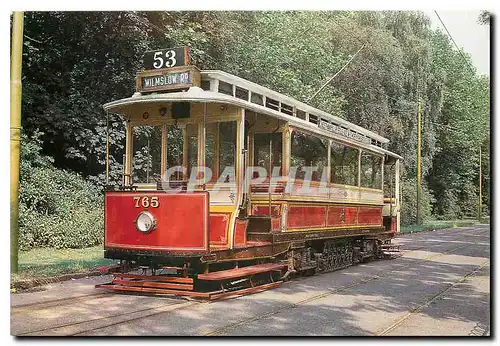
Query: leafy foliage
[58, 208]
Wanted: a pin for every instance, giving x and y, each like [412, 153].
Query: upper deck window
[286, 109]
[225, 88]
[146, 162]
[205, 85]
[313, 119]
[242, 93]
[257, 99]
[273, 104]
[371, 171]
[301, 114]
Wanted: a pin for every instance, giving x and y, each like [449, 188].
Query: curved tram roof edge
[241, 82]
[196, 94]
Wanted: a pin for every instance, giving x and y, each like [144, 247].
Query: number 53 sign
[163, 58]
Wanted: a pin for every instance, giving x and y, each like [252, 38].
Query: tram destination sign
[176, 78]
[344, 132]
[166, 58]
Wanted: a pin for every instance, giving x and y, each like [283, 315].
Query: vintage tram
[229, 187]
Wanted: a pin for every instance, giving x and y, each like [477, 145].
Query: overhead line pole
[15, 133]
[480, 211]
[419, 159]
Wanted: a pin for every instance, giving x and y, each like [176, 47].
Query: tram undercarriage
[202, 277]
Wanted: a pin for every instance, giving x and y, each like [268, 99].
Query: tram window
[371, 171]
[242, 93]
[210, 148]
[286, 109]
[256, 98]
[175, 153]
[313, 119]
[220, 147]
[261, 150]
[192, 147]
[146, 161]
[205, 85]
[227, 151]
[301, 114]
[344, 162]
[309, 151]
[273, 104]
[225, 88]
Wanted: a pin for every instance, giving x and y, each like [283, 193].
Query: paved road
[440, 286]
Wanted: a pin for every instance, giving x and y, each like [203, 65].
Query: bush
[57, 208]
[409, 202]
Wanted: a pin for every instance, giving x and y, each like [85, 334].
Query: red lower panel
[182, 220]
[394, 222]
[276, 224]
[305, 216]
[240, 233]
[341, 216]
[264, 209]
[370, 216]
[218, 228]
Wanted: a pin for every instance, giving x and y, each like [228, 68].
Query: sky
[467, 33]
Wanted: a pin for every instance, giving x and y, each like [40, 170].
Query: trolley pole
[15, 133]
[480, 209]
[419, 159]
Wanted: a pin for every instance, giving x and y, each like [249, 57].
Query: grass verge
[430, 225]
[46, 262]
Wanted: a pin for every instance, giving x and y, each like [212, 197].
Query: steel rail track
[160, 309]
[329, 292]
[426, 303]
[54, 302]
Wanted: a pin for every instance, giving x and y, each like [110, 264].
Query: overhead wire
[459, 50]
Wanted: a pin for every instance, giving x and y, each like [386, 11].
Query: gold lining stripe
[321, 201]
[332, 228]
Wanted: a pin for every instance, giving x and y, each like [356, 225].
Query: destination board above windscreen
[168, 79]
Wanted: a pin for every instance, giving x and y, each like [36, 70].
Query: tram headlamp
[145, 222]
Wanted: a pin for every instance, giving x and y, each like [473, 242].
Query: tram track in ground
[23, 308]
[123, 318]
[330, 292]
[427, 302]
[127, 317]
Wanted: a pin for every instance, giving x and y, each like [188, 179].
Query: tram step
[155, 278]
[241, 272]
[213, 295]
[259, 237]
[152, 284]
